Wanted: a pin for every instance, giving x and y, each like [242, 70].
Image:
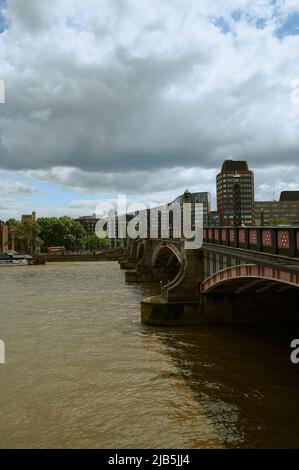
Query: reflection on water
[243, 380]
[82, 371]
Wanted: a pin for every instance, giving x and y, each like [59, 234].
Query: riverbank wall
[109, 255]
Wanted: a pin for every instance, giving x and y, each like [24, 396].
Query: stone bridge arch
[166, 248]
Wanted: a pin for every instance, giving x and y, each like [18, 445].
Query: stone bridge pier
[180, 273]
[129, 260]
[180, 299]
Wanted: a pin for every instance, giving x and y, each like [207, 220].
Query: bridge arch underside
[250, 285]
[252, 298]
[166, 262]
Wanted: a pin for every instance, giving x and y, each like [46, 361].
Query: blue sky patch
[236, 15]
[261, 23]
[221, 23]
[3, 23]
[290, 27]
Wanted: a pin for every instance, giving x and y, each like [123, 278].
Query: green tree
[279, 221]
[25, 235]
[13, 225]
[28, 236]
[12, 222]
[95, 243]
[62, 231]
[104, 243]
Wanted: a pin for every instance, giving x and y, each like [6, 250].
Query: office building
[284, 211]
[235, 193]
[203, 198]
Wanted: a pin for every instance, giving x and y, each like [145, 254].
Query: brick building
[235, 193]
[286, 208]
[89, 222]
[3, 237]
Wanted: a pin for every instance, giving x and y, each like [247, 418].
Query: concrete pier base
[156, 274]
[127, 265]
[136, 277]
[222, 309]
[158, 311]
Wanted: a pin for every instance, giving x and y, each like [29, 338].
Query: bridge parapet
[276, 240]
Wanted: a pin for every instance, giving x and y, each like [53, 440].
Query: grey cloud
[164, 183]
[162, 186]
[31, 15]
[13, 199]
[15, 188]
[113, 96]
[135, 182]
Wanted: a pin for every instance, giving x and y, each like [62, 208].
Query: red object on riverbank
[56, 249]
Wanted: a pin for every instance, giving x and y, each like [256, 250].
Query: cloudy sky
[144, 97]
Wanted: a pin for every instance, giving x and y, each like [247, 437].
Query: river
[81, 370]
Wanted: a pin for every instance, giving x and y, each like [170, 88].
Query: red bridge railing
[276, 240]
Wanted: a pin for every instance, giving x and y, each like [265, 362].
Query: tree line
[31, 235]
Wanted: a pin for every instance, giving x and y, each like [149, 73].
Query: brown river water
[81, 370]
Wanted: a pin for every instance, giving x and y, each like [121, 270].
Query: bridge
[239, 275]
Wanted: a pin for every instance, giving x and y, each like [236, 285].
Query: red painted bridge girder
[249, 272]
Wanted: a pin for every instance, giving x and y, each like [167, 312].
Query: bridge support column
[128, 261]
[146, 274]
[125, 263]
[141, 271]
[160, 312]
[179, 302]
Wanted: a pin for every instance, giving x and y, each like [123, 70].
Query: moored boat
[15, 259]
